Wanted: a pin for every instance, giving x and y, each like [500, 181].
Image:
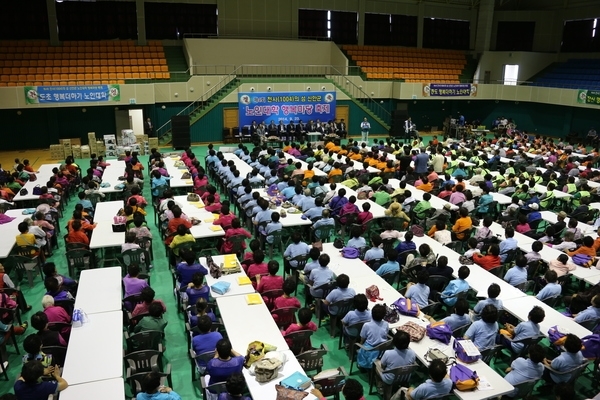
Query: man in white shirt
[437, 161]
[365, 126]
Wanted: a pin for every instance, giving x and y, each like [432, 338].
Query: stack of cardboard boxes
[85, 152]
[67, 149]
[76, 151]
[100, 148]
[57, 152]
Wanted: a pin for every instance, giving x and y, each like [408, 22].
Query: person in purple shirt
[227, 363]
[336, 203]
[407, 245]
[64, 281]
[236, 385]
[131, 282]
[187, 268]
[54, 290]
[196, 289]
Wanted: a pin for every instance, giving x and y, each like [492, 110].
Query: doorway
[136, 117]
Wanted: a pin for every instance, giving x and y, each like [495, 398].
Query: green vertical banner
[588, 97]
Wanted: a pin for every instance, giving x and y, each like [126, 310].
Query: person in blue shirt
[298, 195]
[510, 243]
[526, 369]
[590, 313]
[399, 356]
[483, 207]
[566, 361]
[356, 316]
[240, 150]
[493, 293]
[236, 386]
[325, 220]
[460, 317]
[158, 181]
[273, 226]
[372, 334]
[552, 289]
[312, 263]
[460, 171]
[316, 211]
[483, 332]
[419, 292]
[307, 203]
[342, 292]
[296, 248]
[438, 384]
[356, 240]
[524, 330]
[87, 205]
[391, 265]
[30, 385]
[456, 286]
[517, 274]
[264, 215]
[290, 190]
[406, 245]
[375, 251]
[206, 340]
[272, 177]
[320, 276]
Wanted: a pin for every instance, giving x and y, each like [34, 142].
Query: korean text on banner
[72, 94]
[449, 89]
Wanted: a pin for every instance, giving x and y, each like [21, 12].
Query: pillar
[361, 22]
[52, 22]
[141, 22]
[420, 24]
[485, 21]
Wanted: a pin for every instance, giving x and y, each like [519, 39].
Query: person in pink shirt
[433, 176]
[298, 170]
[211, 204]
[287, 300]
[201, 180]
[210, 189]
[522, 226]
[304, 324]
[235, 229]
[147, 297]
[225, 218]
[42, 223]
[258, 267]
[135, 194]
[365, 215]
[56, 314]
[271, 281]
[348, 208]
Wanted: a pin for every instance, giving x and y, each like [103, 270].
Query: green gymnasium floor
[177, 352]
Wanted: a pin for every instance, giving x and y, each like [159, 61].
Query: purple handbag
[439, 331]
[461, 354]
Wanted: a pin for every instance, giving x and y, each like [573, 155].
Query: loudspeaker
[180, 128]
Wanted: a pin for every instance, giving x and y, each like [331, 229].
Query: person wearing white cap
[534, 215]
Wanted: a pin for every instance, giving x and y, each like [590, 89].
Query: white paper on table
[484, 384]
[470, 348]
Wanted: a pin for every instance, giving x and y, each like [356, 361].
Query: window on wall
[378, 29]
[339, 26]
[312, 24]
[24, 21]
[174, 20]
[96, 20]
[446, 34]
[404, 30]
[515, 35]
[511, 74]
[581, 35]
[344, 27]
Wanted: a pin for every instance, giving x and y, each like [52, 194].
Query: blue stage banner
[449, 89]
[72, 94]
[285, 106]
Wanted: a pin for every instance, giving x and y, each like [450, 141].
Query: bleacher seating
[36, 63]
[407, 63]
[572, 74]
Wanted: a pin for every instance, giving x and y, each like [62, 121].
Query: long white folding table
[435, 201]
[176, 181]
[235, 288]
[317, 171]
[43, 175]
[95, 351]
[241, 165]
[99, 390]
[99, 290]
[290, 219]
[587, 230]
[9, 231]
[103, 235]
[205, 229]
[111, 175]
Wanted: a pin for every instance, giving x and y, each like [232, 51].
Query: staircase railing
[342, 80]
[346, 84]
[199, 102]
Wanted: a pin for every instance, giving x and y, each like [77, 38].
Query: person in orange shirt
[463, 223]
[425, 185]
[355, 154]
[596, 244]
[373, 160]
[308, 174]
[343, 151]
[587, 248]
[85, 225]
[286, 147]
[389, 166]
[435, 141]
[382, 163]
[491, 260]
[336, 147]
[335, 171]
[329, 146]
[76, 235]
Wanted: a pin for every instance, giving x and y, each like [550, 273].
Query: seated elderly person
[56, 314]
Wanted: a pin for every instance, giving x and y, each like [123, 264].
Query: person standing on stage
[365, 127]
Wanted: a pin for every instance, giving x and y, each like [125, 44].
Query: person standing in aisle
[365, 126]
[148, 127]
